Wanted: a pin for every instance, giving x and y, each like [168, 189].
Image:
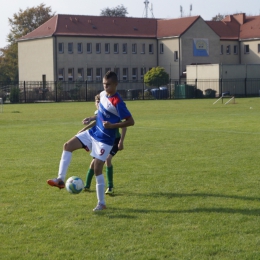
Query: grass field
[186, 185]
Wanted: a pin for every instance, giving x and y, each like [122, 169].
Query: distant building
[79, 48]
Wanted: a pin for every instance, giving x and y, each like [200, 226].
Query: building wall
[253, 56]
[208, 77]
[104, 60]
[36, 58]
[207, 71]
[232, 71]
[229, 52]
[253, 71]
[199, 30]
[168, 59]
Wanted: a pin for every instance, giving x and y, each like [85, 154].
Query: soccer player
[112, 114]
[118, 145]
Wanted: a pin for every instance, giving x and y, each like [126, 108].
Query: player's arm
[129, 121]
[87, 120]
[90, 125]
[122, 138]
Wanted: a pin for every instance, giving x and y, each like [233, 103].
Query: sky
[136, 8]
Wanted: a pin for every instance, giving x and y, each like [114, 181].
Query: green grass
[187, 184]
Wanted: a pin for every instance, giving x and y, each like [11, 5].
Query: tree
[156, 77]
[118, 11]
[21, 23]
[28, 20]
[9, 63]
[218, 17]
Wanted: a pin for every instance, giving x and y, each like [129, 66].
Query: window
[221, 49]
[98, 47]
[70, 47]
[176, 56]
[117, 71]
[134, 48]
[89, 74]
[134, 73]
[98, 74]
[143, 48]
[151, 48]
[143, 71]
[246, 48]
[80, 49]
[61, 74]
[116, 48]
[161, 47]
[80, 74]
[125, 73]
[89, 47]
[61, 47]
[107, 48]
[258, 48]
[124, 47]
[107, 69]
[235, 49]
[70, 75]
[228, 49]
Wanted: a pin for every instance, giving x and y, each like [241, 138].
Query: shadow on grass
[250, 212]
[246, 211]
[170, 195]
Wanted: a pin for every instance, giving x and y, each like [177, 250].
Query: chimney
[240, 18]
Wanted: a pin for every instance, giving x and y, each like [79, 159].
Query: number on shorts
[102, 151]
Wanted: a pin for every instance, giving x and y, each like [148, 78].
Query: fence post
[24, 91]
[143, 88]
[56, 91]
[245, 86]
[221, 86]
[170, 82]
[86, 92]
[195, 89]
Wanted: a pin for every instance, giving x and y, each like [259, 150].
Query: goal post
[1, 105]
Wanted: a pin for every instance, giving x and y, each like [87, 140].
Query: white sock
[64, 164]
[100, 189]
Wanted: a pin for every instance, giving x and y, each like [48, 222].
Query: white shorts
[98, 150]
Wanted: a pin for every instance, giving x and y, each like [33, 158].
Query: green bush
[156, 77]
[14, 95]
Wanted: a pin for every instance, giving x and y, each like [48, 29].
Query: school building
[80, 48]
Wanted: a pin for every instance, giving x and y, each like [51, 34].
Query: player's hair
[97, 97]
[111, 75]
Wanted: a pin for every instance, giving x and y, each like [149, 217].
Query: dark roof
[232, 27]
[225, 30]
[237, 26]
[45, 30]
[174, 27]
[80, 25]
[251, 28]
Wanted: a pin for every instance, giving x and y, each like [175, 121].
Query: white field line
[197, 130]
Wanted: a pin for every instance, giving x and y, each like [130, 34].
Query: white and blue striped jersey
[112, 109]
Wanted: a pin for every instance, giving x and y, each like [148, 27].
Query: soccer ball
[74, 185]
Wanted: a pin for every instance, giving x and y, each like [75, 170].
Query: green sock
[109, 171]
[89, 177]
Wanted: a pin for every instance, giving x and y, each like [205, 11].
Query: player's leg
[100, 184]
[100, 151]
[73, 144]
[89, 175]
[109, 173]
[109, 168]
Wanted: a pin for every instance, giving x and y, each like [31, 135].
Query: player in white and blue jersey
[112, 114]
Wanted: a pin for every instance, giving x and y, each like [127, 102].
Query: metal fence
[38, 91]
